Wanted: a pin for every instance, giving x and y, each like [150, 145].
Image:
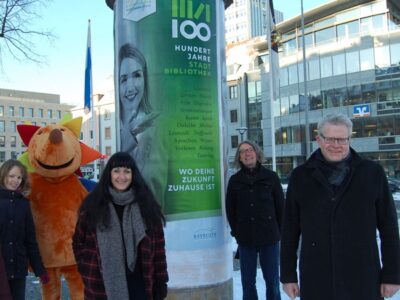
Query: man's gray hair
[259, 153]
[335, 119]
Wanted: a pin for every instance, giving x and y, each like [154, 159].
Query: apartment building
[24, 107]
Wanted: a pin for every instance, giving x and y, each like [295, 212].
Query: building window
[107, 114]
[11, 111]
[40, 112]
[354, 95]
[13, 141]
[324, 36]
[234, 141]
[315, 100]
[313, 69]
[348, 30]
[91, 134]
[382, 57]
[43, 124]
[367, 59]
[13, 126]
[234, 116]
[1, 111]
[2, 126]
[59, 114]
[233, 92]
[108, 150]
[368, 93]
[2, 156]
[326, 66]
[49, 113]
[30, 112]
[352, 62]
[107, 133]
[2, 141]
[81, 136]
[14, 155]
[284, 106]
[339, 64]
[21, 112]
[293, 76]
[394, 57]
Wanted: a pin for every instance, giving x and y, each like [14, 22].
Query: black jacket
[17, 236]
[254, 207]
[339, 256]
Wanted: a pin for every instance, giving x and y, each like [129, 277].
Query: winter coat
[152, 254]
[18, 237]
[339, 256]
[254, 207]
[4, 288]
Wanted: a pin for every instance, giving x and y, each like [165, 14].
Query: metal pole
[271, 86]
[307, 125]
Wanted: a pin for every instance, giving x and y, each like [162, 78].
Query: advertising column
[168, 60]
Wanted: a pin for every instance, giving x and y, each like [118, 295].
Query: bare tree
[17, 34]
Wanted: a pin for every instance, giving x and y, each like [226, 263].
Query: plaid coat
[87, 255]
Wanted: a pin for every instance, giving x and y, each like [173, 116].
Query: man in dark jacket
[254, 207]
[336, 202]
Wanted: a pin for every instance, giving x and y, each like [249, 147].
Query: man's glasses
[332, 140]
[247, 150]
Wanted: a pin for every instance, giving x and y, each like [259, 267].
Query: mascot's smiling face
[54, 151]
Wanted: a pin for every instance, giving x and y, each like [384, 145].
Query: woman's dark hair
[130, 51]
[96, 207]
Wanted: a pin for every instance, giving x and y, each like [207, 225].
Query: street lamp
[241, 131]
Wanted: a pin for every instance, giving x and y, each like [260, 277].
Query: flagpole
[271, 84]
[89, 103]
[307, 125]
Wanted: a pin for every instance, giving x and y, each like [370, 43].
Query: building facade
[23, 107]
[246, 19]
[352, 51]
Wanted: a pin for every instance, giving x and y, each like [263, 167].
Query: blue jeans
[269, 262]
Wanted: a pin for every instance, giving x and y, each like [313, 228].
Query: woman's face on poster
[131, 83]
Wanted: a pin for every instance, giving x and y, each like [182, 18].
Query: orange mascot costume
[54, 154]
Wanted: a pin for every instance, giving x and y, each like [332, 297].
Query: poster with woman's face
[168, 85]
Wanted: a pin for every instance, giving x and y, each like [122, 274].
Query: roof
[318, 13]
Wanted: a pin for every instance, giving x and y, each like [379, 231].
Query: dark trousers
[269, 262]
[17, 288]
[136, 287]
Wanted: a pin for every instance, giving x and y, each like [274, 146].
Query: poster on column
[167, 86]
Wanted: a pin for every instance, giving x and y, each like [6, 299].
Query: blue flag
[88, 75]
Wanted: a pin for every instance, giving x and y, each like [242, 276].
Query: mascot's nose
[55, 136]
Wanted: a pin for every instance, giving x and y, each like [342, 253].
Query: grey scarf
[118, 250]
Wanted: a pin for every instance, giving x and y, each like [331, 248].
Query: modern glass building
[352, 51]
[245, 19]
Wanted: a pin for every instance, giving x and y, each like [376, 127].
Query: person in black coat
[254, 208]
[336, 202]
[17, 231]
[4, 288]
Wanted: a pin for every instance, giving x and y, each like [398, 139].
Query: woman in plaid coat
[119, 241]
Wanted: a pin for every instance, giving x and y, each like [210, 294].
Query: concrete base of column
[220, 291]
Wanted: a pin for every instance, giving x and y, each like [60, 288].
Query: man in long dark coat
[335, 204]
